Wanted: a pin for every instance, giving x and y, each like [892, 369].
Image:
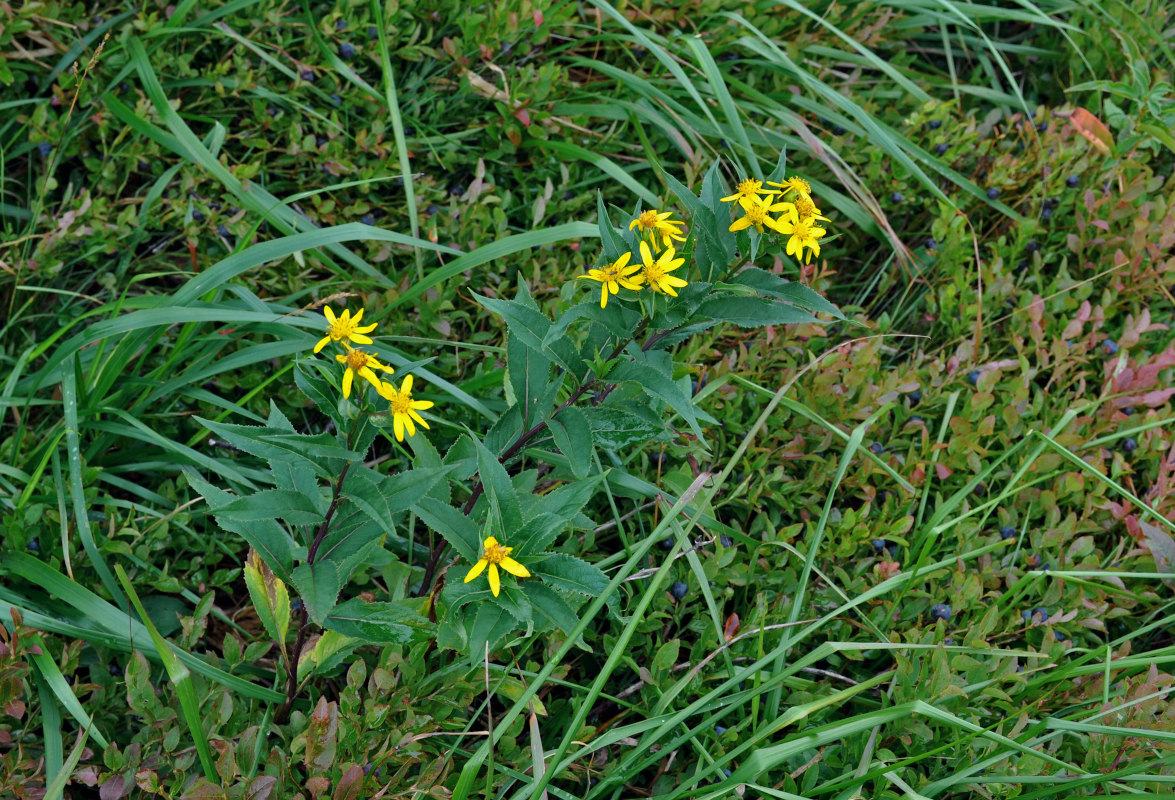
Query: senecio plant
[476, 552]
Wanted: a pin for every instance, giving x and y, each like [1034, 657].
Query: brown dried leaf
[1093, 129]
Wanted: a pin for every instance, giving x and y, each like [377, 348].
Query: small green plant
[597, 373]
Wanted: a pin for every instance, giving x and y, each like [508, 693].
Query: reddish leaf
[1093, 129]
[730, 629]
[261, 787]
[350, 786]
[113, 789]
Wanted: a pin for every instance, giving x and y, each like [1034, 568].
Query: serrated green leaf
[573, 437]
[310, 381]
[752, 312]
[500, 493]
[378, 622]
[570, 574]
[653, 382]
[457, 529]
[565, 502]
[611, 240]
[505, 431]
[293, 507]
[528, 371]
[768, 283]
[490, 625]
[618, 319]
[535, 536]
[318, 585]
[382, 497]
[615, 428]
[552, 605]
[271, 599]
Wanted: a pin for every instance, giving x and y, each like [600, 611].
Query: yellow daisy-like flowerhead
[748, 191]
[613, 276]
[806, 209]
[403, 408]
[496, 556]
[655, 271]
[344, 329]
[653, 224]
[804, 233]
[362, 363]
[794, 184]
[758, 214]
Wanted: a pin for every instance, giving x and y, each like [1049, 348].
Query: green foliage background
[171, 207]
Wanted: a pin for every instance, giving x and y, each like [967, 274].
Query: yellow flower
[613, 276]
[654, 271]
[804, 233]
[748, 192]
[360, 362]
[344, 328]
[806, 209]
[496, 554]
[651, 223]
[758, 214]
[404, 409]
[794, 184]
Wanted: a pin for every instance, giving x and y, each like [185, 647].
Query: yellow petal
[514, 568]
[359, 338]
[419, 419]
[366, 328]
[740, 224]
[622, 261]
[633, 224]
[734, 196]
[406, 386]
[321, 344]
[398, 426]
[673, 280]
[423, 404]
[370, 376]
[478, 568]
[495, 580]
[357, 317]
[348, 377]
[490, 542]
[646, 253]
[330, 314]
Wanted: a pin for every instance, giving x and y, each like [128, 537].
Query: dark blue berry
[114, 669]
[1060, 636]
[726, 772]
[372, 32]
[1044, 614]
[935, 124]
[877, 448]
[931, 244]
[718, 729]
[916, 420]
[915, 396]
[1128, 411]
[666, 543]
[34, 546]
[409, 130]
[884, 546]
[838, 130]
[896, 197]
[678, 590]
[1130, 445]
[335, 100]
[941, 148]
[271, 111]
[44, 148]
[367, 219]
[321, 140]
[1111, 347]
[346, 51]
[1032, 247]
[1042, 126]
[726, 541]
[296, 605]
[1072, 181]
[223, 231]
[432, 210]
[340, 25]
[993, 194]
[1022, 265]
[973, 377]
[1007, 532]
[1046, 213]
[308, 75]
[941, 611]
[657, 459]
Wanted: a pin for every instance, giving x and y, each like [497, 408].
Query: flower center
[802, 230]
[749, 186]
[356, 359]
[402, 403]
[648, 219]
[756, 214]
[800, 185]
[342, 329]
[496, 553]
[653, 273]
[805, 207]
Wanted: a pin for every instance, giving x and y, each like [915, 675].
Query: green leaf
[500, 494]
[318, 585]
[532, 326]
[613, 243]
[752, 312]
[656, 384]
[459, 530]
[550, 604]
[570, 574]
[535, 536]
[491, 623]
[528, 372]
[616, 428]
[618, 319]
[293, 507]
[768, 283]
[271, 541]
[378, 622]
[566, 502]
[573, 437]
[505, 431]
[309, 378]
[320, 450]
[270, 598]
[381, 497]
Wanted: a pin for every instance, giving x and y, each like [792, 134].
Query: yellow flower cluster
[346, 330]
[657, 230]
[794, 216]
